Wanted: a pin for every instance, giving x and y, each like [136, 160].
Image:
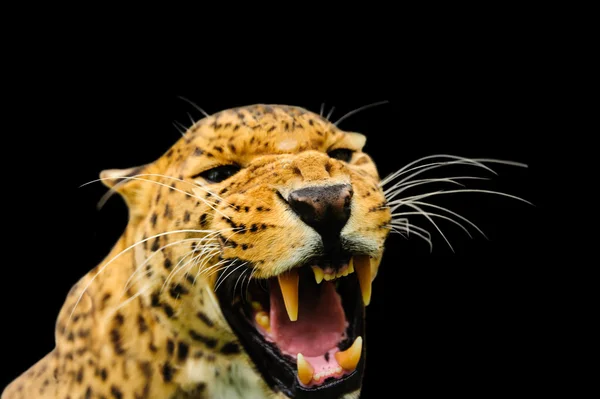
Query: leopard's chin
[304, 330]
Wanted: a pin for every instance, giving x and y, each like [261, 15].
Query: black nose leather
[325, 209]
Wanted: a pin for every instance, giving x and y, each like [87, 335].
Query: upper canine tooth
[289, 289]
[362, 265]
[349, 359]
[319, 274]
[305, 370]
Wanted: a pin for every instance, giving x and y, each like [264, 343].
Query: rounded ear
[120, 177]
[357, 140]
[127, 183]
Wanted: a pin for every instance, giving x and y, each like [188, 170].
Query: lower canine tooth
[362, 264]
[289, 289]
[350, 358]
[305, 370]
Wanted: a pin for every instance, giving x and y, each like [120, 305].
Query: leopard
[244, 271]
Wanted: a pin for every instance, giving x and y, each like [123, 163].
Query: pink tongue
[321, 320]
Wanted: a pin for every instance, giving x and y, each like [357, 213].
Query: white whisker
[194, 105]
[356, 111]
[230, 273]
[408, 185]
[417, 234]
[238, 281]
[434, 215]
[149, 258]
[426, 168]
[124, 251]
[330, 113]
[419, 197]
[452, 213]
[179, 129]
[191, 120]
[422, 212]
[208, 203]
[249, 280]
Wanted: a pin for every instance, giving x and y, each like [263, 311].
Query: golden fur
[145, 323]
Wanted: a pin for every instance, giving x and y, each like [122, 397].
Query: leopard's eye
[342, 154]
[218, 174]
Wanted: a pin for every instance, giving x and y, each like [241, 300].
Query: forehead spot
[287, 144]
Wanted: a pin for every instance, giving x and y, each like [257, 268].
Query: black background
[463, 322]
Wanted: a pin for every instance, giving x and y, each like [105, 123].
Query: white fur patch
[287, 144]
[240, 382]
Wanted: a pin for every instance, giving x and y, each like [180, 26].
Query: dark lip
[278, 371]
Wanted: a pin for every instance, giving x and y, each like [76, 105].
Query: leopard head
[258, 235]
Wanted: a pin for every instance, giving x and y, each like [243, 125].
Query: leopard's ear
[357, 140]
[131, 183]
[115, 178]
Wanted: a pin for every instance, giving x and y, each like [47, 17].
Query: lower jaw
[279, 370]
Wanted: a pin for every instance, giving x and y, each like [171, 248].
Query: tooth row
[320, 274]
[326, 374]
[348, 361]
[289, 282]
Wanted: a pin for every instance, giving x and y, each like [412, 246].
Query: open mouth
[304, 329]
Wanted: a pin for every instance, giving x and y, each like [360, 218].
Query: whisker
[194, 105]
[422, 212]
[419, 197]
[440, 180]
[238, 281]
[417, 234]
[230, 273]
[216, 268]
[479, 162]
[415, 183]
[208, 203]
[206, 250]
[198, 197]
[202, 269]
[125, 179]
[457, 160]
[435, 215]
[330, 113]
[224, 270]
[427, 167]
[179, 266]
[249, 280]
[356, 111]
[124, 251]
[452, 213]
[414, 227]
[191, 120]
[322, 109]
[182, 132]
[149, 258]
[404, 223]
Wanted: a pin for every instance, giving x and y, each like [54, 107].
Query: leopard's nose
[324, 208]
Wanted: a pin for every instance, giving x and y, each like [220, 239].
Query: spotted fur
[140, 326]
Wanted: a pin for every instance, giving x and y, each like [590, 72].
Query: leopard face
[260, 233]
